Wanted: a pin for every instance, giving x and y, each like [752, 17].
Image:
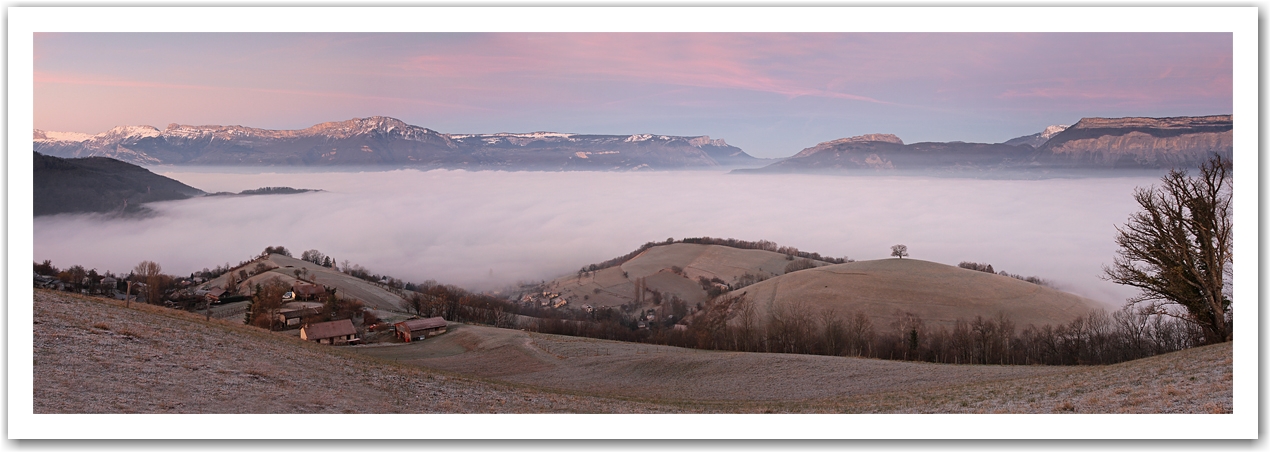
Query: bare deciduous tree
[265, 303]
[1177, 250]
[231, 282]
[313, 256]
[150, 273]
[899, 251]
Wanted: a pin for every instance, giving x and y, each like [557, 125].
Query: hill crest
[939, 294]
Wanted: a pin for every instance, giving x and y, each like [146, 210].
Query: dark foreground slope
[99, 184]
[95, 356]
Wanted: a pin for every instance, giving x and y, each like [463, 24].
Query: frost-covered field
[94, 356]
[487, 229]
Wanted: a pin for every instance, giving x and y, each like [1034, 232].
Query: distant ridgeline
[99, 184]
[731, 243]
[1092, 144]
[267, 191]
[106, 185]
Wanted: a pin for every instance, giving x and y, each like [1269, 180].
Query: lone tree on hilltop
[899, 251]
[1178, 249]
[276, 250]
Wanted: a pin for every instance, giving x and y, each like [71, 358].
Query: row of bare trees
[987, 268]
[1096, 338]
[765, 245]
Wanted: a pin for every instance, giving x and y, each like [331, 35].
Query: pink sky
[771, 94]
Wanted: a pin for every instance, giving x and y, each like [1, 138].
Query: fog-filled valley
[484, 230]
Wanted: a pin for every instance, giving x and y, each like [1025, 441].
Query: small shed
[417, 329]
[293, 317]
[334, 333]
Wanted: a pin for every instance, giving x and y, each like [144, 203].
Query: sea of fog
[484, 230]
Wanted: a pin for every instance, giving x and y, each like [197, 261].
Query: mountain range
[386, 141]
[1091, 143]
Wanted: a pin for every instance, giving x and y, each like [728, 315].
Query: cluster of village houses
[547, 299]
[292, 314]
[555, 300]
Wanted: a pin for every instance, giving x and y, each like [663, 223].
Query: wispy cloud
[724, 61]
[81, 80]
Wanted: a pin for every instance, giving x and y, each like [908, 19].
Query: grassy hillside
[615, 286]
[1194, 381]
[939, 294]
[623, 369]
[283, 268]
[92, 355]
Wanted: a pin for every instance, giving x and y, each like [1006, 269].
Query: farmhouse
[416, 329]
[304, 291]
[108, 285]
[214, 294]
[334, 333]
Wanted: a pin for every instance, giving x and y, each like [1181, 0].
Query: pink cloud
[68, 79]
[725, 61]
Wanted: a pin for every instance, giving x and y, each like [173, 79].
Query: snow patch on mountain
[1037, 139]
[1050, 131]
[130, 132]
[73, 137]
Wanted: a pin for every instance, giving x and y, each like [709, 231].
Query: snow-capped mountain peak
[1050, 131]
[130, 132]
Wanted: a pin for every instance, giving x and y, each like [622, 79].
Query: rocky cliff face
[387, 141]
[1140, 142]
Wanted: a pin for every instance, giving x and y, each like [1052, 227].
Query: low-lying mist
[483, 230]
